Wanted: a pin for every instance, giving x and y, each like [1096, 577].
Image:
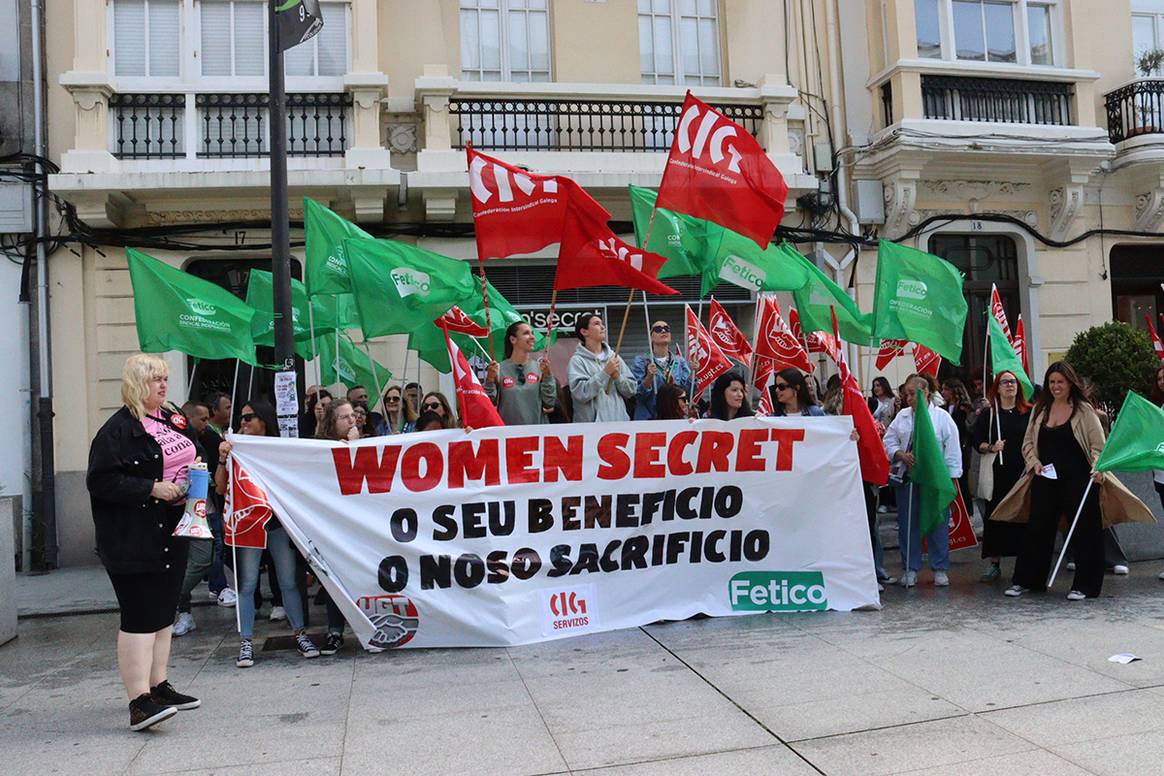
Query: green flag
[1003, 358]
[816, 300]
[327, 265]
[918, 297]
[177, 311]
[929, 472]
[355, 368]
[429, 341]
[740, 261]
[1136, 443]
[686, 242]
[399, 287]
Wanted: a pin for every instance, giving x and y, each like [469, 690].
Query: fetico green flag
[819, 297]
[740, 261]
[177, 311]
[399, 288]
[1136, 443]
[354, 366]
[918, 297]
[929, 472]
[1003, 358]
[684, 240]
[327, 265]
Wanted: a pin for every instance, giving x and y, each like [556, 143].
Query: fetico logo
[410, 281]
[199, 307]
[1160, 448]
[742, 272]
[198, 317]
[778, 591]
[911, 289]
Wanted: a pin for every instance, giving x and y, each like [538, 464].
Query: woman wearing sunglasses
[438, 404]
[671, 403]
[524, 391]
[258, 419]
[792, 396]
[655, 370]
[398, 417]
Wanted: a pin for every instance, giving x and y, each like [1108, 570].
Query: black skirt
[148, 600]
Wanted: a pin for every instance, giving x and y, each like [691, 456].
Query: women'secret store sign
[520, 534]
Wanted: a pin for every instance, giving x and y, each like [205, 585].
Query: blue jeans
[938, 540]
[335, 618]
[216, 581]
[284, 554]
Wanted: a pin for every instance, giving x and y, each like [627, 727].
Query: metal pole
[280, 220]
[1070, 532]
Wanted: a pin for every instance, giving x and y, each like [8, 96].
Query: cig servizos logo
[778, 591]
[410, 281]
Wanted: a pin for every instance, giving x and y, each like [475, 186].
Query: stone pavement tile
[1138, 753]
[927, 745]
[646, 741]
[628, 647]
[81, 755]
[1033, 763]
[848, 713]
[513, 741]
[422, 668]
[777, 759]
[318, 766]
[1084, 719]
[729, 631]
[391, 705]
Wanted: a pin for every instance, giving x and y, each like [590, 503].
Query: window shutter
[333, 40]
[129, 36]
[215, 17]
[250, 38]
[165, 37]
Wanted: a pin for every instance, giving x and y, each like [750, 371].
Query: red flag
[247, 510]
[961, 531]
[925, 360]
[814, 342]
[716, 170]
[476, 409]
[591, 255]
[762, 371]
[999, 312]
[775, 340]
[764, 403]
[1157, 345]
[728, 336]
[458, 320]
[703, 354]
[890, 349]
[870, 450]
[515, 211]
[1020, 344]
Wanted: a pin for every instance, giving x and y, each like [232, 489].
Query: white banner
[520, 534]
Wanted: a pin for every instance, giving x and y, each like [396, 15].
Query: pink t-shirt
[178, 452]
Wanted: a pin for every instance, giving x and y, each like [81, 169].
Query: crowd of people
[1030, 457]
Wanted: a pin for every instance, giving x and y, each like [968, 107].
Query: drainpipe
[48, 516]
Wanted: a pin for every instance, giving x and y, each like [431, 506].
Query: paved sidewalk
[957, 681]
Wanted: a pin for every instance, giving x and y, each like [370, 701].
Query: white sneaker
[1120, 570]
[278, 613]
[941, 579]
[184, 624]
[213, 596]
[1075, 595]
[227, 597]
[1070, 565]
[1014, 591]
[909, 579]
[881, 510]
[1161, 576]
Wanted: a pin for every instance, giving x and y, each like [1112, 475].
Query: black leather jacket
[134, 529]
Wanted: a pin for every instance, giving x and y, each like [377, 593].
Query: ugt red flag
[717, 171]
[961, 531]
[870, 450]
[592, 255]
[476, 409]
[728, 336]
[703, 354]
[890, 349]
[1157, 345]
[925, 360]
[458, 320]
[999, 312]
[775, 341]
[247, 511]
[1020, 344]
[814, 342]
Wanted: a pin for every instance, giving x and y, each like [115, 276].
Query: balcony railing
[576, 125]
[998, 100]
[1135, 109]
[232, 126]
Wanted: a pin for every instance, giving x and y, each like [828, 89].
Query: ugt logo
[395, 618]
[715, 142]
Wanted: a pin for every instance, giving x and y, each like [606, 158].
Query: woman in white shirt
[898, 445]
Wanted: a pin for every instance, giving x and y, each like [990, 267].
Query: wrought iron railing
[1135, 109]
[496, 124]
[154, 126]
[999, 100]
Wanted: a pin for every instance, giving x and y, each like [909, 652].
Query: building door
[1137, 272]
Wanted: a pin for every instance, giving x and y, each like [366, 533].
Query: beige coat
[1117, 504]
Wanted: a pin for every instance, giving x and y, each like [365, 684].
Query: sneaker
[1014, 591]
[246, 654]
[1161, 576]
[334, 643]
[941, 579]
[227, 597]
[881, 510]
[1075, 595]
[144, 713]
[1120, 570]
[165, 695]
[1070, 565]
[887, 580]
[278, 613]
[213, 594]
[184, 624]
[880, 588]
[909, 579]
[306, 646]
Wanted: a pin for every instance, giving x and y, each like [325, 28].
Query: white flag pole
[233, 390]
[375, 377]
[1070, 532]
[314, 354]
[994, 410]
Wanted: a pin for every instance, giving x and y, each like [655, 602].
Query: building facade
[991, 132]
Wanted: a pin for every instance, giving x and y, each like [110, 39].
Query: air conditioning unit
[15, 207]
[869, 204]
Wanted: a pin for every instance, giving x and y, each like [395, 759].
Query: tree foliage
[1116, 358]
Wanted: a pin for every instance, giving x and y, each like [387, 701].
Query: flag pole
[311, 327]
[403, 379]
[337, 358]
[375, 377]
[997, 413]
[190, 384]
[1067, 541]
[485, 299]
[625, 315]
[233, 391]
[985, 347]
[630, 299]
[251, 384]
[909, 520]
[550, 318]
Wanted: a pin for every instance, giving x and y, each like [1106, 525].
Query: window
[327, 53]
[1147, 32]
[505, 40]
[234, 33]
[146, 37]
[679, 42]
[1021, 32]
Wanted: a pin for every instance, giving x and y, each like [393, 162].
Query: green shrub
[1116, 358]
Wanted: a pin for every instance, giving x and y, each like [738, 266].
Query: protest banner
[519, 534]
